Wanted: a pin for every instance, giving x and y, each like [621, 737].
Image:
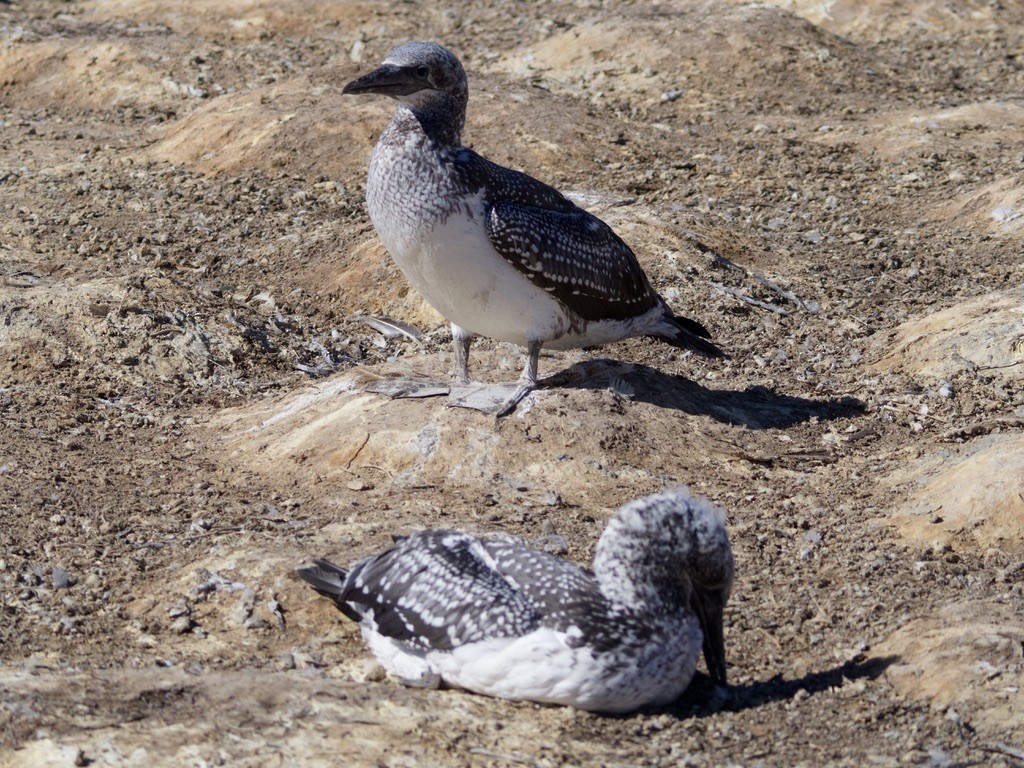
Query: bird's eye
[422, 71]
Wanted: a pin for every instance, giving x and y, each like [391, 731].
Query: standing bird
[495, 251]
[504, 620]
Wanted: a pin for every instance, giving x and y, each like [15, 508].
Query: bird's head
[413, 71]
[671, 549]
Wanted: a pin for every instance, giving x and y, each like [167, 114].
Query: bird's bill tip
[717, 669]
[388, 80]
[714, 657]
[359, 85]
[710, 608]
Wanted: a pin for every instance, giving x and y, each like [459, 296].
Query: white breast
[452, 263]
[542, 666]
[405, 663]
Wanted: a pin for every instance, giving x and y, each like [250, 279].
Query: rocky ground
[835, 189]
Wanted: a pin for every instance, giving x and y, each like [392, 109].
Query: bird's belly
[453, 265]
[541, 666]
[597, 332]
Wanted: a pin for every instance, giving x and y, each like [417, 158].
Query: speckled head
[673, 530]
[412, 68]
[430, 86]
[666, 549]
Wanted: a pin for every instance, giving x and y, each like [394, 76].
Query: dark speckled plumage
[497, 252]
[630, 630]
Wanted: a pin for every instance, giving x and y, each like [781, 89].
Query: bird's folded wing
[566, 596]
[574, 256]
[437, 590]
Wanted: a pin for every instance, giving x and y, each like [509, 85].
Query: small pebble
[370, 671]
[302, 660]
[256, 622]
[60, 578]
[553, 544]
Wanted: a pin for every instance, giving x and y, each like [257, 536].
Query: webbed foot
[497, 399]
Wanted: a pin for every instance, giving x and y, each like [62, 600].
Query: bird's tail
[685, 333]
[330, 581]
[325, 577]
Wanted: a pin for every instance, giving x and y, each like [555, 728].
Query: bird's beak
[709, 605]
[388, 80]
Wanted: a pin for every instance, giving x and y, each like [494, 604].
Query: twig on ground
[510, 757]
[703, 247]
[983, 427]
[1006, 749]
[749, 300]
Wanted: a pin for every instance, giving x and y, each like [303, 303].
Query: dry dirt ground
[836, 189]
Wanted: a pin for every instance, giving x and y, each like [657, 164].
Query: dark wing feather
[575, 257]
[435, 590]
[501, 183]
[558, 246]
[565, 596]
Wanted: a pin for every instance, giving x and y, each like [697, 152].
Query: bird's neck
[632, 571]
[439, 116]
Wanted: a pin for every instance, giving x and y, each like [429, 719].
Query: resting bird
[497, 252]
[498, 618]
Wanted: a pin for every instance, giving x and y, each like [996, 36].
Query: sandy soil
[835, 189]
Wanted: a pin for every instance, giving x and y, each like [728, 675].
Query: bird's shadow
[755, 407]
[702, 700]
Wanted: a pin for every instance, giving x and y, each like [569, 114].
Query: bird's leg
[499, 399]
[415, 387]
[528, 377]
[461, 341]
[527, 380]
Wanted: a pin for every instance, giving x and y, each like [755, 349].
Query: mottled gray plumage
[442, 604]
[497, 252]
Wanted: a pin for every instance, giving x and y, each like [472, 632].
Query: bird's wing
[567, 598]
[437, 590]
[558, 246]
[573, 256]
